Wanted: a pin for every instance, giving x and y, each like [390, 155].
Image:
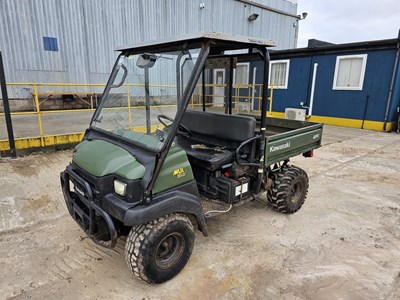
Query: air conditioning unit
[298, 114]
[243, 107]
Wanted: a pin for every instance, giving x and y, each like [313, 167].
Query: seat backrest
[226, 127]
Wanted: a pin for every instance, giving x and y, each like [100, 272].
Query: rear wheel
[158, 250]
[289, 189]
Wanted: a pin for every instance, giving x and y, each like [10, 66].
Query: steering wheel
[182, 129]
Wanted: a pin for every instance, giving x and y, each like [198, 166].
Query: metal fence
[64, 122]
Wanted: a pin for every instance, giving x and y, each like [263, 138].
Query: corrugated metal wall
[88, 31]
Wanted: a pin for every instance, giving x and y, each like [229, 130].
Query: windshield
[144, 93]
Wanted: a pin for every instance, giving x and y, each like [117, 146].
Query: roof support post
[203, 87]
[264, 102]
[147, 94]
[230, 83]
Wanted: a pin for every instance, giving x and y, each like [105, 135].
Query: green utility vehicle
[171, 146]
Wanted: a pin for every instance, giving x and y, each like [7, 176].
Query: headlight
[119, 187]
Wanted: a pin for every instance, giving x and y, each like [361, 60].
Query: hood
[101, 158]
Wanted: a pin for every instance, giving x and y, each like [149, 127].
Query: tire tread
[138, 240]
[277, 195]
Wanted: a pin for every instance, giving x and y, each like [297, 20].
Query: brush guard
[82, 208]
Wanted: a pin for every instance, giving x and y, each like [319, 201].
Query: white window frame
[287, 61]
[247, 75]
[362, 75]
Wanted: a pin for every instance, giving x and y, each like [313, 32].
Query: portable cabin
[355, 85]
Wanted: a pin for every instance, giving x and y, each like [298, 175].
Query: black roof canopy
[222, 41]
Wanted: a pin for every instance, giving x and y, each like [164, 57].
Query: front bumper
[81, 206]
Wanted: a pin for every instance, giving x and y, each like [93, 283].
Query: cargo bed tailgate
[294, 142]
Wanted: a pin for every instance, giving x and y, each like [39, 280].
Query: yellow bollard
[129, 109]
[270, 98]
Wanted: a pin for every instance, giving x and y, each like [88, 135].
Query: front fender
[182, 199]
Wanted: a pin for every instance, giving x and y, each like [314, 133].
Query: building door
[219, 87]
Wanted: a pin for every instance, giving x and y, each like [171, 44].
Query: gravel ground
[343, 244]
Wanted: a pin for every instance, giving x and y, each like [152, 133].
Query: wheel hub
[169, 250]
[295, 192]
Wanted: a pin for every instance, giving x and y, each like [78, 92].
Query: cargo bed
[288, 138]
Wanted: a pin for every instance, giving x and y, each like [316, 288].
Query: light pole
[296, 25]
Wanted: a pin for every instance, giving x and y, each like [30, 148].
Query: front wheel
[158, 250]
[289, 189]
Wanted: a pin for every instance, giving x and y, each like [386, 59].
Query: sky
[346, 21]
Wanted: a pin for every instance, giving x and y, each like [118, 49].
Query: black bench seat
[215, 137]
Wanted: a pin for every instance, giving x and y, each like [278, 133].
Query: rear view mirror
[146, 60]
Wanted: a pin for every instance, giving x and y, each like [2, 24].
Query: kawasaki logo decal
[280, 147]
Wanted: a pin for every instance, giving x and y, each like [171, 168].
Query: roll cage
[214, 46]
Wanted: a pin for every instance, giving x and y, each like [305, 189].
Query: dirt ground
[343, 244]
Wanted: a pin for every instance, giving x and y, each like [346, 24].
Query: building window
[279, 73]
[349, 72]
[242, 73]
[50, 43]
